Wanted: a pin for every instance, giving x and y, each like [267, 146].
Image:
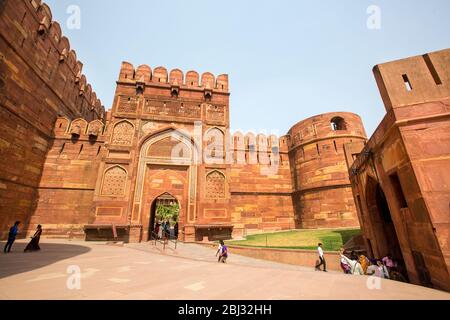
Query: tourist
[373, 269]
[160, 230]
[388, 261]
[156, 231]
[34, 243]
[167, 229]
[354, 256]
[355, 266]
[219, 249]
[11, 237]
[383, 271]
[175, 229]
[345, 266]
[321, 259]
[223, 252]
[364, 261]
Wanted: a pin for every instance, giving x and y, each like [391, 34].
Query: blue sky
[287, 60]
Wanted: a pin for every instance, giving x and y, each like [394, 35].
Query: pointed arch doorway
[164, 207]
[383, 225]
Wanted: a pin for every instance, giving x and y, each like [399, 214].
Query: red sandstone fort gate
[82, 172]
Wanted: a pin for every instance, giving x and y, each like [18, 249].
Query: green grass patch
[332, 240]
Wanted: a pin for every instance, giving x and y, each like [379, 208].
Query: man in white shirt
[321, 258]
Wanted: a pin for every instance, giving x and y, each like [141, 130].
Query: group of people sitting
[386, 267]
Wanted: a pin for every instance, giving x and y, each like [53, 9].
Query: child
[219, 250]
[222, 251]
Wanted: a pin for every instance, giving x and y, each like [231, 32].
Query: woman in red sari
[34, 243]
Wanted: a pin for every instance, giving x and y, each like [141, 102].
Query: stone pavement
[140, 271]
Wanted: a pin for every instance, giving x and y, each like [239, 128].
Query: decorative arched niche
[215, 186]
[114, 181]
[123, 133]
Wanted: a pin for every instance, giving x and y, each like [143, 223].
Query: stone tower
[322, 193]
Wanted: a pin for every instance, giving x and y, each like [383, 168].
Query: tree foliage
[168, 212]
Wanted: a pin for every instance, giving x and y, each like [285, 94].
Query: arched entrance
[167, 164]
[382, 224]
[164, 208]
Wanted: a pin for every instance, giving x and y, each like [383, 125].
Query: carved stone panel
[114, 181]
[215, 185]
[123, 134]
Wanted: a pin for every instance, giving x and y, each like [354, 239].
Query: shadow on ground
[17, 261]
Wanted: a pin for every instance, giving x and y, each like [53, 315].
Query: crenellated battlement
[144, 74]
[79, 129]
[31, 29]
[259, 142]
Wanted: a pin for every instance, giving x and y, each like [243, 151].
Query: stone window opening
[407, 83]
[338, 123]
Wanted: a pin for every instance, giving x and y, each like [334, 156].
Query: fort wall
[40, 79]
[401, 178]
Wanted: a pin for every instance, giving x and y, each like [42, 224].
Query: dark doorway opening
[383, 226]
[170, 212]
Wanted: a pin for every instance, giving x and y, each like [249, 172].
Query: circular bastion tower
[322, 194]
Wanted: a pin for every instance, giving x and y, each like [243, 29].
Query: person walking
[223, 252]
[219, 249]
[34, 243]
[321, 258]
[11, 237]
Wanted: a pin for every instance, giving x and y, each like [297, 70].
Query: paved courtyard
[141, 271]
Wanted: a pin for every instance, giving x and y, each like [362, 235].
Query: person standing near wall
[11, 237]
[34, 243]
[321, 258]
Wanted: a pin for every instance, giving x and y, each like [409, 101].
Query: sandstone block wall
[40, 79]
[407, 160]
[66, 190]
